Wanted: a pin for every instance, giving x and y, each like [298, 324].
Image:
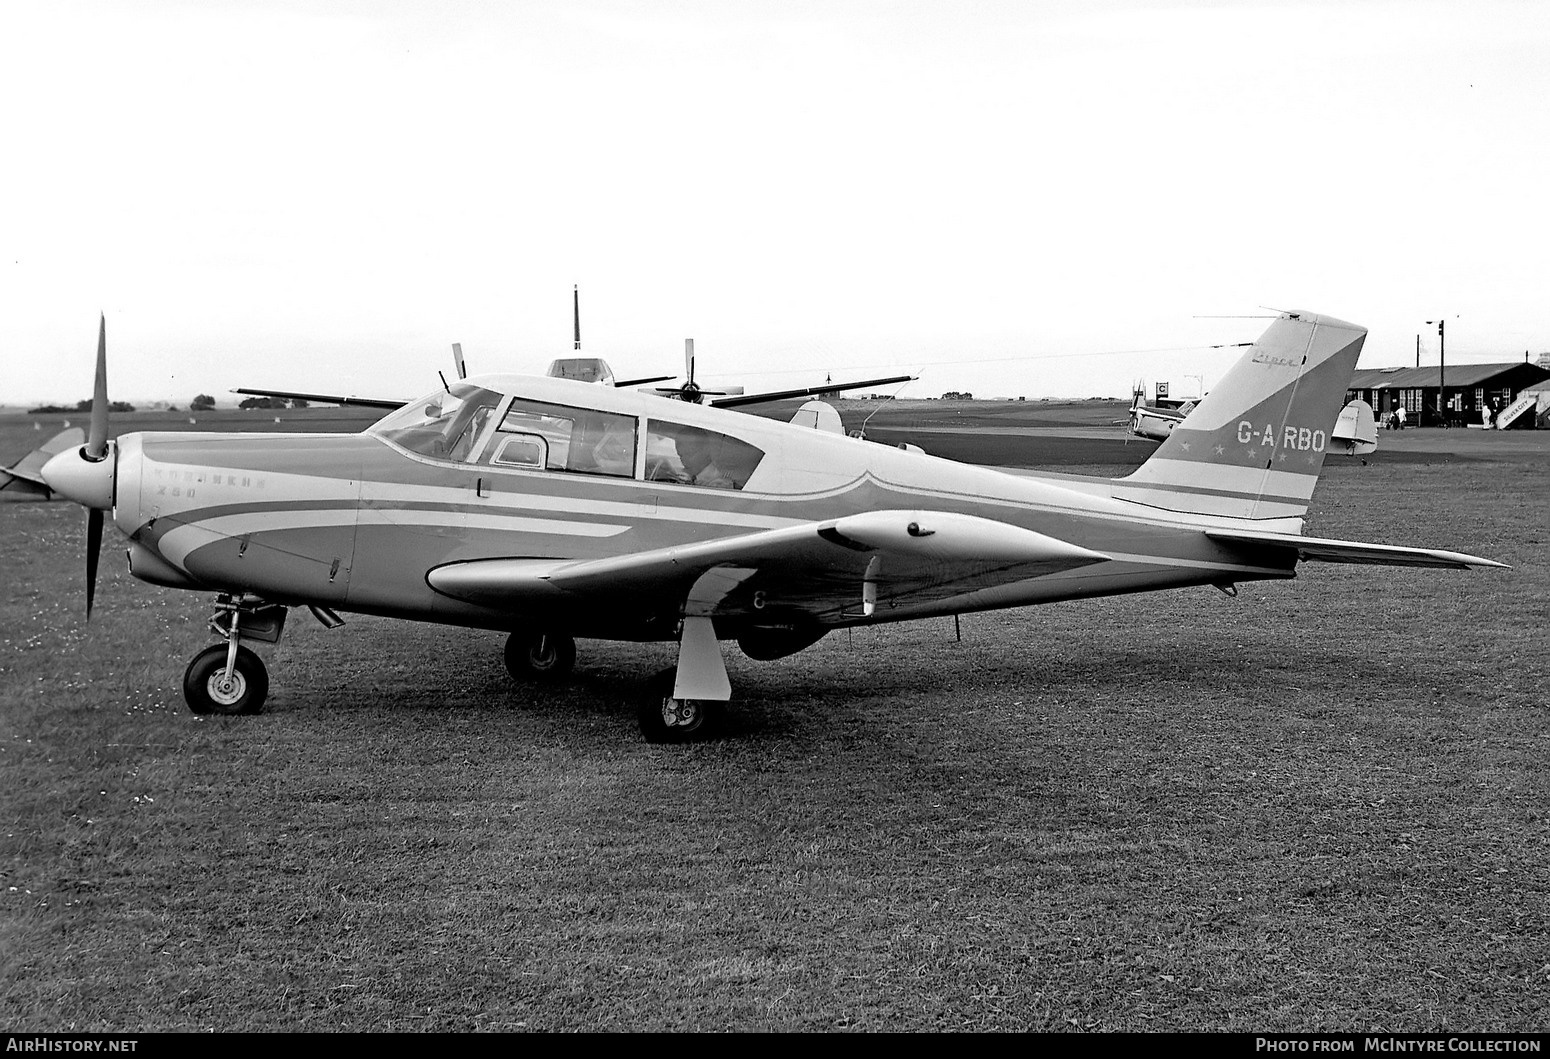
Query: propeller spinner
[689, 391]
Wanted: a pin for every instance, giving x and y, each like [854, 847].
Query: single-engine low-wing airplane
[1146, 421]
[1154, 421]
[554, 509]
[23, 480]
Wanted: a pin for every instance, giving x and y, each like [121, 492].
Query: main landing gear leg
[229, 678]
[685, 703]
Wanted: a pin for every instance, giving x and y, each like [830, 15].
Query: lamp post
[1442, 368]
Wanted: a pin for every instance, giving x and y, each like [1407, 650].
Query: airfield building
[1540, 392]
[1468, 391]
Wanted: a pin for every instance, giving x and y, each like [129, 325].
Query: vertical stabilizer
[1254, 446]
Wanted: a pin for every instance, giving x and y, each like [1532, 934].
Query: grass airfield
[1322, 805]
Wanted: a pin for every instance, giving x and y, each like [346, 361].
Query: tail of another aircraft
[23, 480]
[1253, 447]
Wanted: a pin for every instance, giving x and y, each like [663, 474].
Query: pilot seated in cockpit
[699, 466]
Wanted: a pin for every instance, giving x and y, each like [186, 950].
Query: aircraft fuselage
[357, 522]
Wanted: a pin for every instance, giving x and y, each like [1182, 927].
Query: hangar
[1468, 390]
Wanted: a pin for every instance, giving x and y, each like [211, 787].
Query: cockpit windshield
[445, 425]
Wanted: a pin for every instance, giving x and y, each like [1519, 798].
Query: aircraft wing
[834, 569]
[1319, 549]
[323, 398]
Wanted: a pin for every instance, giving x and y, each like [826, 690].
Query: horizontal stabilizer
[1316, 549]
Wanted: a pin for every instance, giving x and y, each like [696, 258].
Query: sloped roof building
[1466, 390]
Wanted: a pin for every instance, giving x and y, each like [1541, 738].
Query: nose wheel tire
[664, 719]
[207, 689]
[540, 656]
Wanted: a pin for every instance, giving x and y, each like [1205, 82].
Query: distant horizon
[229, 400]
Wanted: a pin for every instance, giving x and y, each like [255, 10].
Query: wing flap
[1319, 549]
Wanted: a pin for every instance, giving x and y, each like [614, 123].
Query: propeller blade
[457, 358]
[93, 550]
[575, 294]
[97, 437]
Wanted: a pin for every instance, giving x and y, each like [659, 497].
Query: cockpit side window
[686, 455]
[578, 440]
[445, 425]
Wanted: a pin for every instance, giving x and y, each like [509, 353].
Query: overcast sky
[1048, 199]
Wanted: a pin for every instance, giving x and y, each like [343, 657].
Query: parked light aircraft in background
[553, 509]
[579, 368]
[1155, 422]
[23, 480]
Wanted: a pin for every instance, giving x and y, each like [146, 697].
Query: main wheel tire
[664, 719]
[207, 691]
[540, 655]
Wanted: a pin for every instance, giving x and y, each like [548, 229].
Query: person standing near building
[1399, 416]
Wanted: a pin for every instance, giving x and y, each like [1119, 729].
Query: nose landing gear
[229, 678]
[225, 678]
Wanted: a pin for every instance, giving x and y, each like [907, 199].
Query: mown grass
[1321, 805]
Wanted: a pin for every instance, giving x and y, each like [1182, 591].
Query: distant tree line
[957, 395]
[202, 403]
[272, 402]
[80, 406]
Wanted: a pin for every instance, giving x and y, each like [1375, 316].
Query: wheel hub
[679, 713]
[543, 654]
[226, 691]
